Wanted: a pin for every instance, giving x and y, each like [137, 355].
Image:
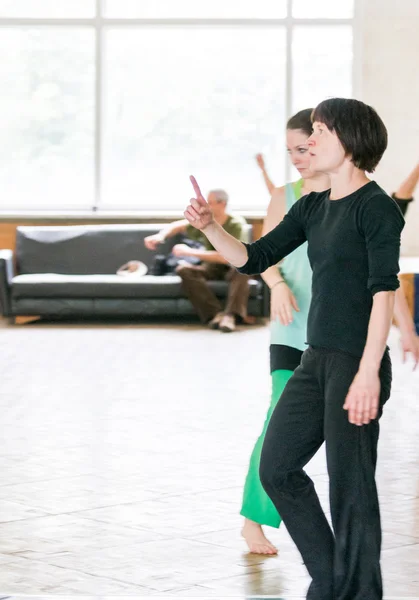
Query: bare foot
[256, 540]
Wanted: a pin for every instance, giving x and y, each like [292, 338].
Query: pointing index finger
[196, 187]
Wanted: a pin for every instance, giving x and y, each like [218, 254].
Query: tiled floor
[122, 461]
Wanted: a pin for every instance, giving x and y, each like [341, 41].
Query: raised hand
[260, 161]
[198, 213]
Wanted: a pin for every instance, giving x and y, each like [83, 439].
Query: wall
[389, 81]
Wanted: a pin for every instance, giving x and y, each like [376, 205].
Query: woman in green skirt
[290, 285]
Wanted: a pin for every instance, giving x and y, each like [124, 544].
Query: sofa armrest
[6, 276]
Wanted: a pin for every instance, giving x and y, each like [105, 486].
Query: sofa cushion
[51, 285]
[112, 307]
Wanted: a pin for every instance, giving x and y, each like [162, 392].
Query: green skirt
[257, 506]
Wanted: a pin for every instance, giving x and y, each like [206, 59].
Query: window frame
[100, 23]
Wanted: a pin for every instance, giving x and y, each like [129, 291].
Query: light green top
[296, 271]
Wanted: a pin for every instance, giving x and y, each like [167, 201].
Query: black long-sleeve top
[353, 248]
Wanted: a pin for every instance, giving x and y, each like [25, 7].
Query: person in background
[290, 285]
[404, 193]
[213, 266]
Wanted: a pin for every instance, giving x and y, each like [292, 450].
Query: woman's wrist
[277, 283]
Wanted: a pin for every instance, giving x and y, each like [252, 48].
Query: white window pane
[323, 9]
[47, 110]
[192, 100]
[260, 9]
[47, 8]
[322, 64]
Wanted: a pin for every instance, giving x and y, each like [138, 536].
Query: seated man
[212, 267]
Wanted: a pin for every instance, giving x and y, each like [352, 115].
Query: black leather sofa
[70, 271]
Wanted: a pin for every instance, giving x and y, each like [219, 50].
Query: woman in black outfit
[337, 393]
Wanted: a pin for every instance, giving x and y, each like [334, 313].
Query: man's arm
[173, 229]
[211, 256]
[153, 241]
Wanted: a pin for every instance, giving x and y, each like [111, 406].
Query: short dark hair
[360, 130]
[302, 120]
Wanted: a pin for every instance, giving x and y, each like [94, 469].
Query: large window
[110, 105]
[47, 117]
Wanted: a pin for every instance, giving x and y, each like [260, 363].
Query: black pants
[344, 564]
